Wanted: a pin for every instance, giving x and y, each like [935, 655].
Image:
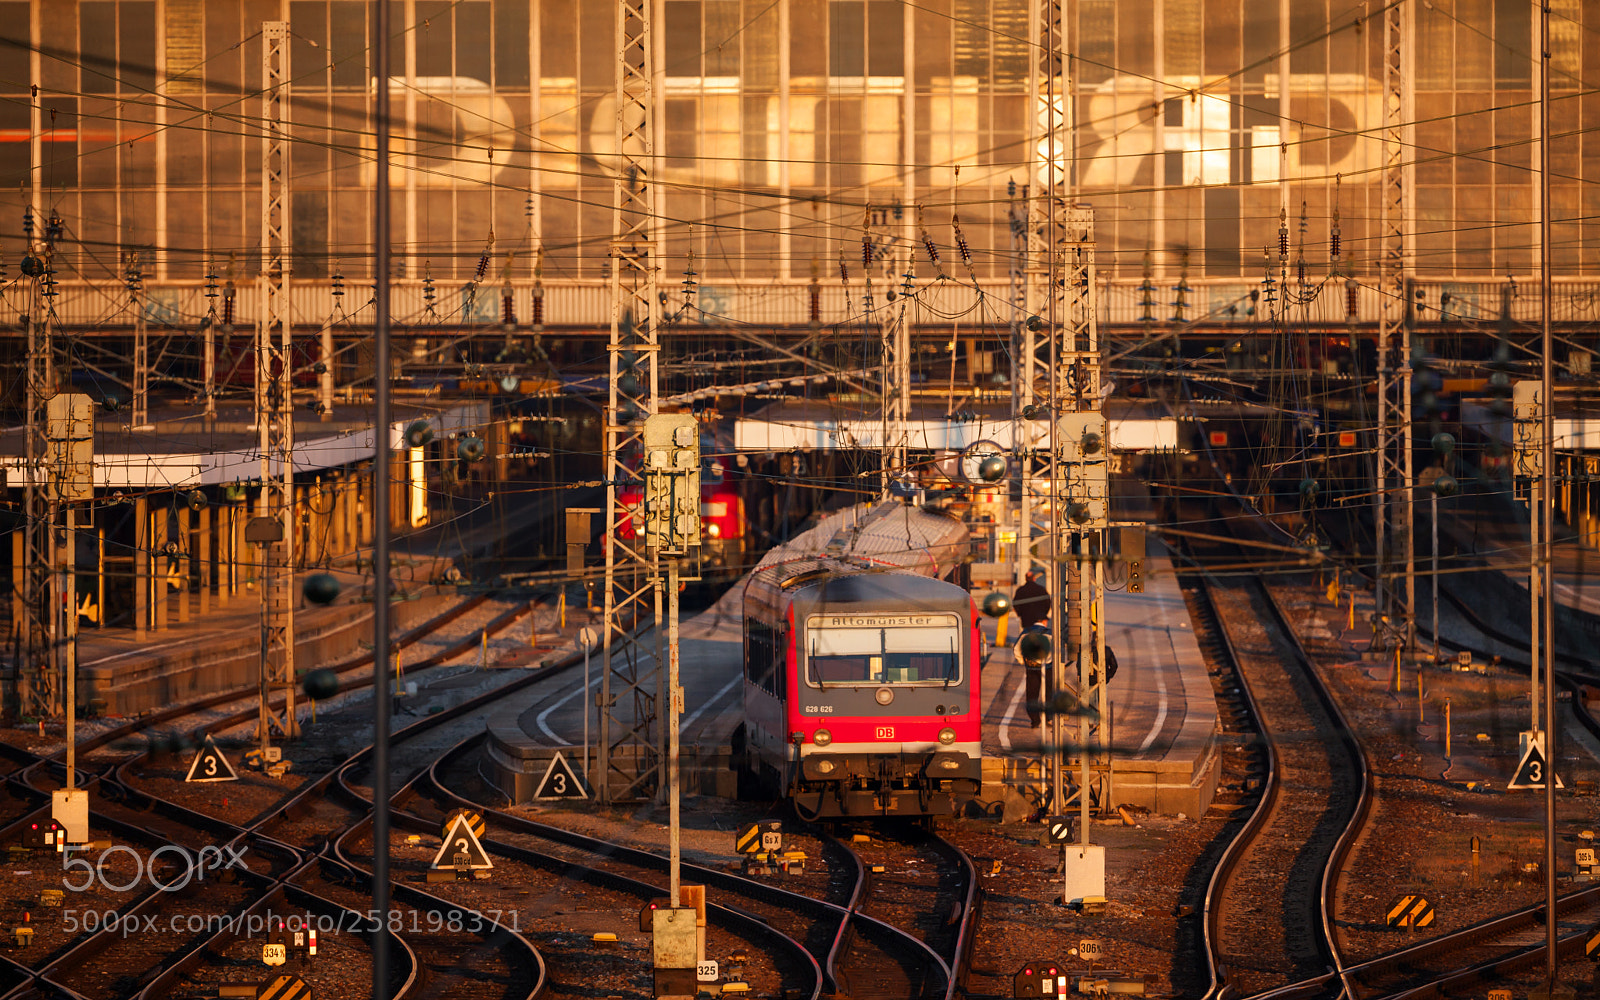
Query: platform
[182, 449]
[1163, 711]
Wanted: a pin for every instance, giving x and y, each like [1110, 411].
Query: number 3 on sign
[706, 972]
[274, 954]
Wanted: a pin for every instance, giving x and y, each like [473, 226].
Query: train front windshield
[899, 649]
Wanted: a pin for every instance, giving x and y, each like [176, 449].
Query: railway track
[1493, 951]
[1268, 910]
[928, 889]
[128, 966]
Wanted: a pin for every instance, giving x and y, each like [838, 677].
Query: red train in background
[725, 544]
[862, 667]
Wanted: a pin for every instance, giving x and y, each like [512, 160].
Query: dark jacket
[1032, 602]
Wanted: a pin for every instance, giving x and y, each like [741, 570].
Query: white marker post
[586, 639]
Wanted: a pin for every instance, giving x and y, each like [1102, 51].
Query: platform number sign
[705, 970]
[274, 954]
[461, 848]
[1532, 768]
[210, 765]
[560, 781]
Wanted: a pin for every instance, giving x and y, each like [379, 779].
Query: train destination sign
[876, 621]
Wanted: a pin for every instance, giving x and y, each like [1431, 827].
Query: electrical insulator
[844, 269]
[1300, 266]
[816, 303]
[227, 303]
[1333, 243]
[961, 242]
[1350, 298]
[538, 306]
[933, 251]
[1182, 301]
[483, 267]
[866, 251]
[338, 284]
[53, 228]
[27, 222]
[211, 282]
[508, 312]
[1283, 235]
[428, 295]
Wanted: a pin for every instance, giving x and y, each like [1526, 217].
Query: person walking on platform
[1032, 603]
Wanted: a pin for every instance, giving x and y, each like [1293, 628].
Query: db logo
[885, 732]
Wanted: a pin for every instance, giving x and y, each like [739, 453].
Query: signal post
[671, 530]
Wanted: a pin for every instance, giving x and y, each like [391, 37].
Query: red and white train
[862, 657]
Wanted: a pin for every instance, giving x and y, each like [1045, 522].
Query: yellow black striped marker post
[1409, 911]
[1591, 944]
[285, 988]
[748, 839]
[474, 821]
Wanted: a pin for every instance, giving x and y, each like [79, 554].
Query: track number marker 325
[706, 972]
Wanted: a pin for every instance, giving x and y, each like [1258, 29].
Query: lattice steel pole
[629, 757]
[134, 278]
[274, 391]
[37, 681]
[36, 689]
[1393, 483]
[1041, 221]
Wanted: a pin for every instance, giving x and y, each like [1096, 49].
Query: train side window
[759, 657]
[780, 662]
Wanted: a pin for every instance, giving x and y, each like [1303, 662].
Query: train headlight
[883, 696]
[947, 736]
[822, 738]
[825, 766]
[713, 530]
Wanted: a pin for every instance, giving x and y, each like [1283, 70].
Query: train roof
[888, 533]
[882, 591]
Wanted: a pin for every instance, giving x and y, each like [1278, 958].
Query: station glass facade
[781, 121]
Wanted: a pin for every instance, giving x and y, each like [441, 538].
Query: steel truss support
[1079, 496]
[1048, 142]
[274, 392]
[630, 693]
[38, 685]
[1393, 518]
